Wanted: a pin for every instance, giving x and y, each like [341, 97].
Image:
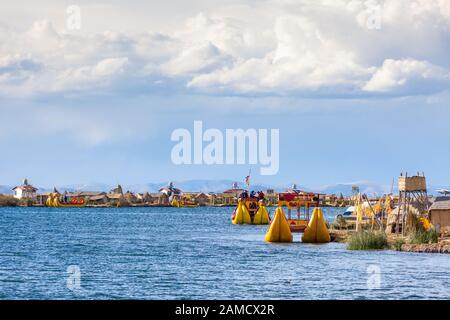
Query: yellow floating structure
[262, 215]
[53, 201]
[317, 231]
[279, 230]
[184, 202]
[242, 216]
[301, 202]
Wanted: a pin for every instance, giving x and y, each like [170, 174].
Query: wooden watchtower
[412, 192]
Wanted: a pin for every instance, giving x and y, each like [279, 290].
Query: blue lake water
[168, 253]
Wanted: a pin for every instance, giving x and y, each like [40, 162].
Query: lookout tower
[355, 193]
[412, 192]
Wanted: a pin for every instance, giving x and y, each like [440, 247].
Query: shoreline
[130, 206]
[442, 247]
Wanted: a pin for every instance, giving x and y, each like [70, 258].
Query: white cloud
[237, 38]
[270, 47]
[195, 58]
[108, 67]
[396, 74]
[43, 30]
[17, 69]
[304, 59]
[90, 77]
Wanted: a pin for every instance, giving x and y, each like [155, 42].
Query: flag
[247, 180]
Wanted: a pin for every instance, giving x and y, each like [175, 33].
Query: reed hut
[144, 197]
[440, 213]
[114, 198]
[161, 199]
[100, 199]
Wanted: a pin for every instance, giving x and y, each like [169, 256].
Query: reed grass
[397, 245]
[421, 236]
[367, 240]
[8, 201]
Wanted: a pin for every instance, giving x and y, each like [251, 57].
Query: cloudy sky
[358, 89]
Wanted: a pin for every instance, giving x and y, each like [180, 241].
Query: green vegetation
[340, 223]
[8, 201]
[421, 236]
[397, 245]
[367, 240]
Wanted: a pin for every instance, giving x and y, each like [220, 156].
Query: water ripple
[167, 253]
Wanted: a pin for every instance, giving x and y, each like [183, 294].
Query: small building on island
[271, 197]
[160, 199]
[235, 190]
[25, 191]
[145, 198]
[170, 190]
[203, 199]
[440, 212]
[99, 200]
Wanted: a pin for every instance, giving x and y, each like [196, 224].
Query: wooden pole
[373, 211]
[357, 200]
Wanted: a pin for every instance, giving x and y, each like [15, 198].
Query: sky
[90, 91]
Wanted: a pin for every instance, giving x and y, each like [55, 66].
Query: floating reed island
[409, 221]
[412, 222]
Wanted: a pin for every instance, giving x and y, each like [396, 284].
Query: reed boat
[184, 202]
[53, 201]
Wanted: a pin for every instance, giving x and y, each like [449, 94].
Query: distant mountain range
[192, 185]
[346, 188]
[221, 185]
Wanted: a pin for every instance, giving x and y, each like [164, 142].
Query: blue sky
[353, 102]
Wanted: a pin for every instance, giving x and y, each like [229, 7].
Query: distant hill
[192, 185]
[208, 186]
[214, 185]
[5, 190]
[85, 187]
[346, 189]
[187, 185]
[221, 185]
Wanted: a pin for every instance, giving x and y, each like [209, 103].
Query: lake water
[168, 253]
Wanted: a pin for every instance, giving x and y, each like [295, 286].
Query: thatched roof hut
[440, 212]
[393, 219]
